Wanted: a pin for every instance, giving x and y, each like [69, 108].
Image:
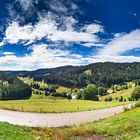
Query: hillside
[13, 88]
[104, 74]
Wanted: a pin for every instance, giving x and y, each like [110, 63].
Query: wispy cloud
[121, 43]
[26, 4]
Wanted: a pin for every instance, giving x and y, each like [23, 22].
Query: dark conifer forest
[13, 88]
[101, 74]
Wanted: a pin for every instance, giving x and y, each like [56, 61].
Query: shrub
[130, 99]
[126, 108]
[79, 95]
[124, 100]
[136, 93]
[121, 99]
[108, 98]
[137, 104]
[69, 97]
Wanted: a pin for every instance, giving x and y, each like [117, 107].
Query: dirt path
[57, 120]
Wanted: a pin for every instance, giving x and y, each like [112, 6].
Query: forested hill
[13, 88]
[79, 76]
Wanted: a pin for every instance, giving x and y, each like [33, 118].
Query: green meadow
[56, 105]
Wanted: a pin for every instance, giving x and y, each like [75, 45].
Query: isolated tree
[90, 92]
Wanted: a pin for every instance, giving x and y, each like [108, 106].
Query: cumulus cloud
[49, 29]
[69, 23]
[93, 28]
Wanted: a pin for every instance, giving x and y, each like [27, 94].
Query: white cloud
[93, 28]
[69, 23]
[1, 43]
[7, 53]
[112, 58]
[73, 36]
[26, 4]
[51, 25]
[92, 44]
[40, 57]
[16, 33]
[47, 28]
[122, 43]
[57, 6]
[43, 57]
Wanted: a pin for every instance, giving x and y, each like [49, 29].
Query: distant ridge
[104, 73]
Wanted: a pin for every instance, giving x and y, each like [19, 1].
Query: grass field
[124, 126]
[55, 105]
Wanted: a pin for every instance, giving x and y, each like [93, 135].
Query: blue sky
[50, 33]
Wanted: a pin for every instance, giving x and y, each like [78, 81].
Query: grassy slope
[63, 90]
[55, 105]
[120, 127]
[11, 132]
[125, 93]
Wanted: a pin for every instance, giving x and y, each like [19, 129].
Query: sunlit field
[56, 105]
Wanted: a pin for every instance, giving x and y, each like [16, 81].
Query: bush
[108, 99]
[124, 100]
[69, 96]
[79, 95]
[136, 93]
[137, 104]
[130, 99]
[121, 99]
[126, 108]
